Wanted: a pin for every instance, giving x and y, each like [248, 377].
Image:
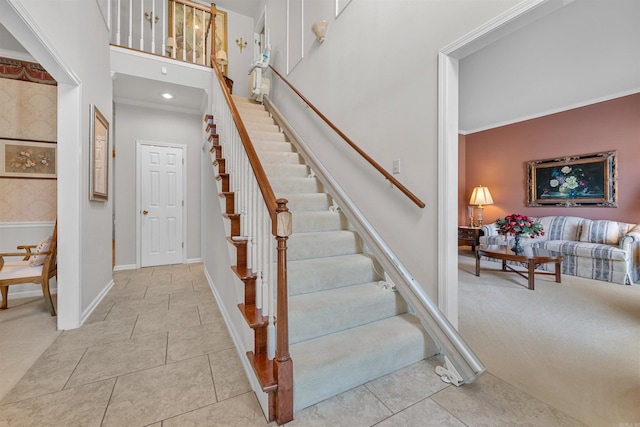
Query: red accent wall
[497, 158]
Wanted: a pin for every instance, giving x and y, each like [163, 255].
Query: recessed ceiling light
[167, 95]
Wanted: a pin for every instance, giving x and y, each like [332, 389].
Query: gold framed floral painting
[583, 180]
[28, 159]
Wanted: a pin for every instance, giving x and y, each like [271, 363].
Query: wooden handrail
[372, 162]
[258, 170]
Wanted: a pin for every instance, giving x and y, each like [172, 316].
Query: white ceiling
[584, 52]
[587, 51]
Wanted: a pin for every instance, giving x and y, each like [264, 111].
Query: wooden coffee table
[531, 258]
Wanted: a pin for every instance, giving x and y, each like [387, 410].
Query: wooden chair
[21, 272]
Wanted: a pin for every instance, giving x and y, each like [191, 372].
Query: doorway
[160, 201]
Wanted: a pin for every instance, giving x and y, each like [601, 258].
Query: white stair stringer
[345, 328]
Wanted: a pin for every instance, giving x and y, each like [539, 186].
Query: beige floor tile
[49, 374]
[197, 340]
[93, 334]
[82, 406]
[177, 319]
[125, 294]
[425, 413]
[135, 307]
[200, 297]
[353, 408]
[100, 313]
[169, 289]
[229, 377]
[210, 313]
[120, 358]
[403, 388]
[239, 411]
[155, 394]
[149, 281]
[490, 401]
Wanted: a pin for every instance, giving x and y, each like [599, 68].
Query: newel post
[283, 364]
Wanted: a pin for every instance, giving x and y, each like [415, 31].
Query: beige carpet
[574, 345]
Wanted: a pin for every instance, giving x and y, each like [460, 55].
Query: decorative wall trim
[125, 267]
[29, 224]
[16, 69]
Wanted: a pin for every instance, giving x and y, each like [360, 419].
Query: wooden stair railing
[353, 145]
[275, 375]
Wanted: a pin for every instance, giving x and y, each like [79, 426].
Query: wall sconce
[320, 30]
[479, 197]
[241, 43]
[149, 17]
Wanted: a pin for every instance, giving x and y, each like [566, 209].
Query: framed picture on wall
[99, 161]
[28, 159]
[584, 180]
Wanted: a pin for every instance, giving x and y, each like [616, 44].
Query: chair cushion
[43, 246]
[19, 269]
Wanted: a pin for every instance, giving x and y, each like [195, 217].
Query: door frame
[449, 58]
[139, 144]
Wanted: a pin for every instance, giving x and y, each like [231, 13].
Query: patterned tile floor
[156, 352]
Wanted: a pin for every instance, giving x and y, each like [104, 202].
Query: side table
[469, 236]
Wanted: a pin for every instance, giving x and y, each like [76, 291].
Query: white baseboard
[28, 293]
[194, 260]
[125, 267]
[96, 301]
[263, 398]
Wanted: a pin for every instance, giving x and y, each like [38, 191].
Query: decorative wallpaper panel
[29, 111]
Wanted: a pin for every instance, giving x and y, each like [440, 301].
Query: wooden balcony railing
[180, 29]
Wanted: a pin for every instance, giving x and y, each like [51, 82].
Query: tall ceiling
[583, 52]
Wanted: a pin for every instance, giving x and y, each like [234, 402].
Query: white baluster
[130, 43]
[142, 25]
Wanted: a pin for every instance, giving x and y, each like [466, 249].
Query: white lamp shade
[221, 57]
[481, 196]
[320, 30]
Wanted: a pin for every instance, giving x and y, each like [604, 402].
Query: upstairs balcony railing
[178, 29]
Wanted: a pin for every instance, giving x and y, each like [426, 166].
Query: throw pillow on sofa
[602, 231]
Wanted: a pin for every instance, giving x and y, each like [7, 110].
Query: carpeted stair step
[307, 221]
[267, 136]
[275, 157]
[335, 363]
[321, 274]
[284, 147]
[321, 313]
[323, 244]
[306, 201]
[261, 127]
[286, 170]
[296, 185]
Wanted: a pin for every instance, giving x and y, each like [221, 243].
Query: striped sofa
[595, 249]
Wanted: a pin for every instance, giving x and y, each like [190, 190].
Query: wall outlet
[396, 166]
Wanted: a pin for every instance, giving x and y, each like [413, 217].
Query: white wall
[375, 77]
[81, 64]
[137, 123]
[587, 51]
[239, 62]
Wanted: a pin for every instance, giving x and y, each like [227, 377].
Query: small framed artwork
[99, 162]
[28, 159]
[584, 180]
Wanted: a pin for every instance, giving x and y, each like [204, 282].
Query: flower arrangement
[517, 225]
[569, 181]
[28, 161]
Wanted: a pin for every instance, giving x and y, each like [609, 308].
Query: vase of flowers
[518, 225]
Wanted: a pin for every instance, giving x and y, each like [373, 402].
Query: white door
[161, 205]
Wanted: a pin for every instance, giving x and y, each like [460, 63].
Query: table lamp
[480, 197]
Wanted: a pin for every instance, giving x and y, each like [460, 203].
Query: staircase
[347, 325]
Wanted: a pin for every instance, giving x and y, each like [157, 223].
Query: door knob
[144, 212]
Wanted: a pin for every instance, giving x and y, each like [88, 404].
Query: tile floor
[156, 352]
